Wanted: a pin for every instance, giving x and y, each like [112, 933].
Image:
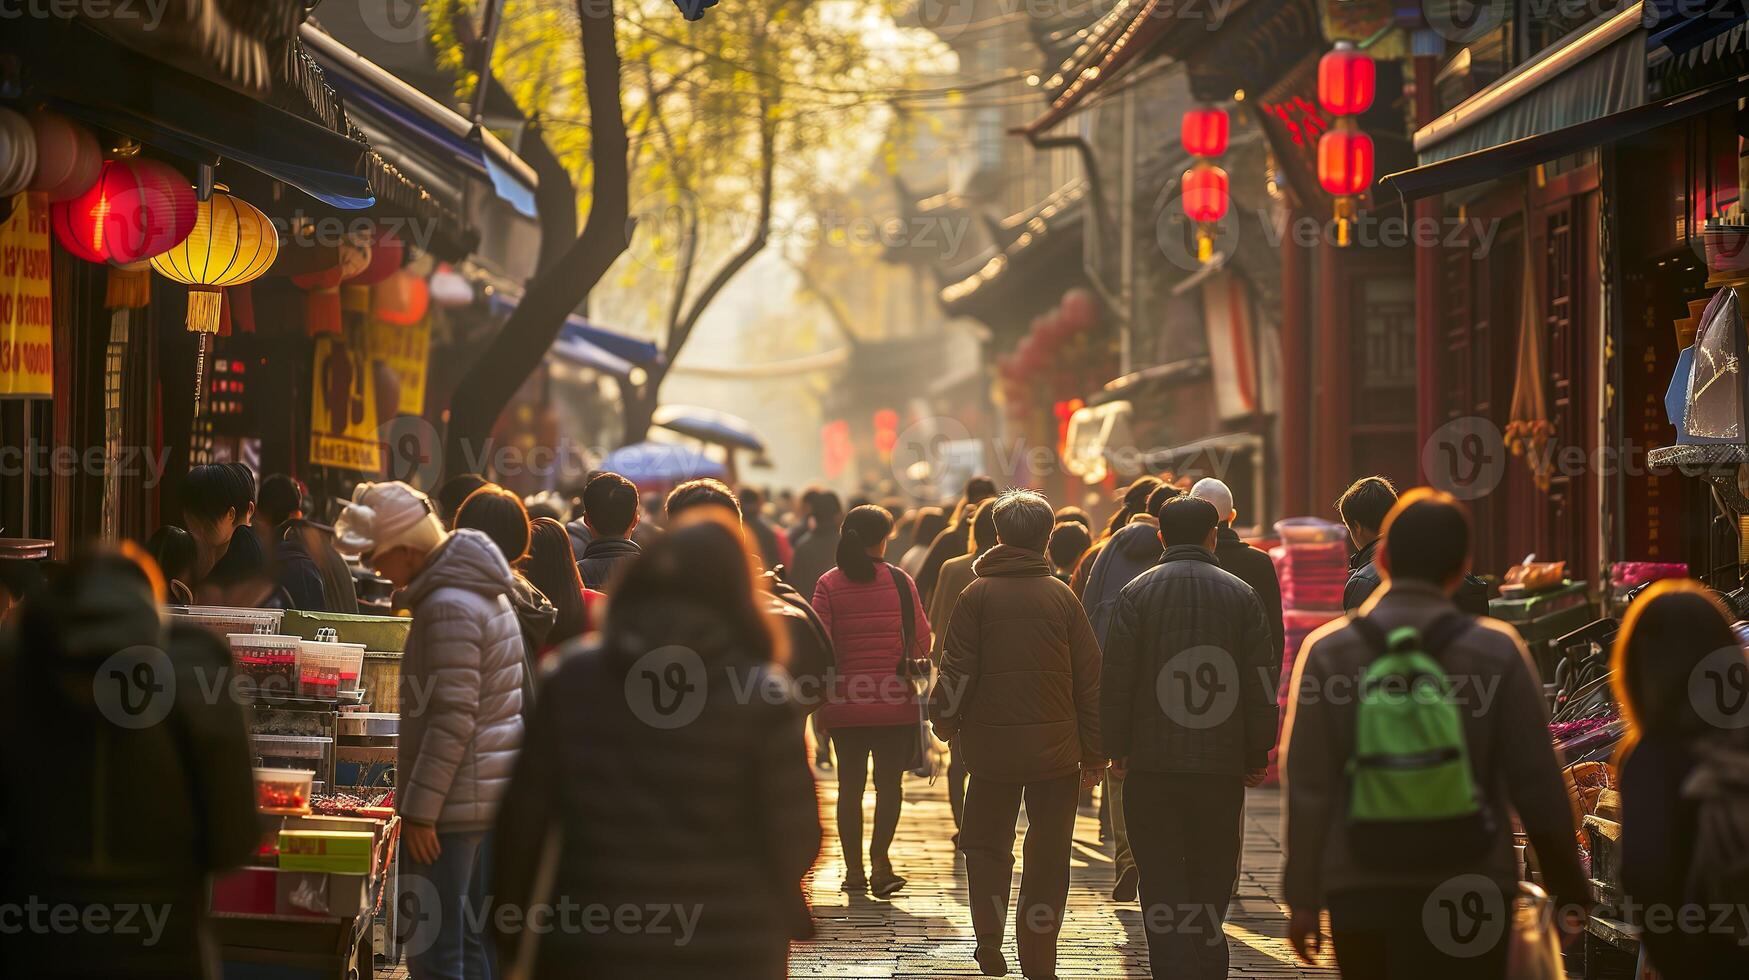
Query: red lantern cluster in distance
[1042, 346]
[137, 208]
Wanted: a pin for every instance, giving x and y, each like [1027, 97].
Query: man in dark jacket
[610, 511]
[1188, 712]
[1019, 694]
[1363, 507]
[956, 539]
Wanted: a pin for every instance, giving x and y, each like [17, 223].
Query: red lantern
[1204, 132]
[401, 299]
[386, 255]
[1345, 161]
[136, 209]
[1347, 80]
[1205, 193]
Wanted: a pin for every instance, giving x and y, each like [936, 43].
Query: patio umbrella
[709, 425]
[650, 463]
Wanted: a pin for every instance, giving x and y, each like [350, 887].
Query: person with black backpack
[1680, 677]
[1413, 735]
[880, 637]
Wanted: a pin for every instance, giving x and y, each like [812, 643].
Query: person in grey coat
[461, 716]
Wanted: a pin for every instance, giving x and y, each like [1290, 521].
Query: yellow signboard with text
[343, 407]
[27, 352]
[405, 349]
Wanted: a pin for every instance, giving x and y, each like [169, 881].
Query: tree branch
[559, 286]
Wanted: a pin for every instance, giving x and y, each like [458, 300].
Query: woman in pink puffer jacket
[871, 710]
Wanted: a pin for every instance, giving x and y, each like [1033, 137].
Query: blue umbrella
[709, 425]
[661, 463]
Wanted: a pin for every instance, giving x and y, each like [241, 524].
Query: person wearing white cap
[461, 712]
[1252, 565]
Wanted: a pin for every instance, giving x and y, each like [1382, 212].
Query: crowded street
[912, 489]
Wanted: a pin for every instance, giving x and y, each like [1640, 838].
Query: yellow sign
[405, 350]
[27, 352]
[343, 408]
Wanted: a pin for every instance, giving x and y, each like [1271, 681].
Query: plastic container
[1308, 530]
[325, 668]
[266, 663]
[283, 790]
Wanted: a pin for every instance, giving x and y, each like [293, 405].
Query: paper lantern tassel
[204, 306]
[129, 287]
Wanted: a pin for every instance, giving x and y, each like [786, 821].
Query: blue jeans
[442, 912]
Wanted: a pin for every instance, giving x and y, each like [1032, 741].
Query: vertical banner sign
[343, 407]
[27, 361]
[405, 350]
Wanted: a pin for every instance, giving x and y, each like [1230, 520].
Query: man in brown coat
[1019, 690]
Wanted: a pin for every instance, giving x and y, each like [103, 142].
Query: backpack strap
[908, 622]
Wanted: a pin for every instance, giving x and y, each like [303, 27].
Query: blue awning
[578, 327]
[441, 131]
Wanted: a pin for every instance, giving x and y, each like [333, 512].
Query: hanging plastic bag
[1715, 389]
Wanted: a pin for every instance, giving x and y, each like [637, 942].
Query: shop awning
[1597, 71]
[582, 353]
[1183, 371]
[1495, 161]
[579, 327]
[86, 76]
[442, 132]
[1689, 48]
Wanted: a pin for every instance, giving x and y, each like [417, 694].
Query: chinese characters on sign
[27, 362]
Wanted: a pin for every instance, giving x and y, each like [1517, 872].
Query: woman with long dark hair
[551, 566]
[874, 615]
[1674, 637]
[665, 768]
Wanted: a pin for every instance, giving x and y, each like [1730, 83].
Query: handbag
[913, 669]
[1535, 951]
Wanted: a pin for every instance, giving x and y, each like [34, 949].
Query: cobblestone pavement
[925, 931]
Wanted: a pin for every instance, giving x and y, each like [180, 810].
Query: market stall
[322, 689]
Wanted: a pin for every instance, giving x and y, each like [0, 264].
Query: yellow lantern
[232, 243]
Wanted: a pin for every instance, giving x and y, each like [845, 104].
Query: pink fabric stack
[1312, 575]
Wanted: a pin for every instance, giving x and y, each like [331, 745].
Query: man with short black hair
[313, 575]
[1019, 696]
[1188, 711]
[217, 500]
[702, 492]
[1364, 506]
[610, 512]
[1376, 909]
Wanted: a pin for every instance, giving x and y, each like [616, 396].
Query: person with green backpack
[1414, 733]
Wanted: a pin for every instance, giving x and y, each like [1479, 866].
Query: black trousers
[1389, 933]
[987, 838]
[1185, 833]
[890, 747]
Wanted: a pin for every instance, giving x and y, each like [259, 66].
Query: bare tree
[566, 274]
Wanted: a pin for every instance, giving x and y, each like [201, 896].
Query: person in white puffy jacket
[461, 717]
